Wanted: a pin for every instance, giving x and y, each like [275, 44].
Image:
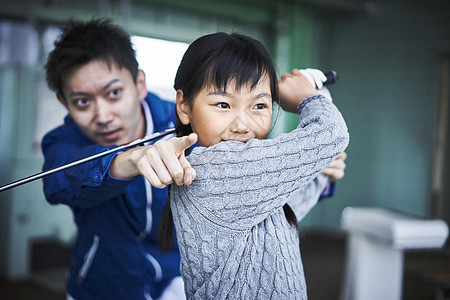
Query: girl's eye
[222, 105]
[260, 106]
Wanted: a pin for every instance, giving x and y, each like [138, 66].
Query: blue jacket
[116, 254]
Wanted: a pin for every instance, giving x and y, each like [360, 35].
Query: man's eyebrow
[71, 94]
[75, 93]
[110, 83]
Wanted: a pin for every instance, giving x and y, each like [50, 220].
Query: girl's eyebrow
[219, 92]
[263, 95]
[226, 94]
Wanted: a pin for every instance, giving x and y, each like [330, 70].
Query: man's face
[105, 102]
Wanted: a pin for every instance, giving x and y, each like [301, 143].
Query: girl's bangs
[242, 68]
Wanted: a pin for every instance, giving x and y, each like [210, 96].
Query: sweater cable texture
[234, 239]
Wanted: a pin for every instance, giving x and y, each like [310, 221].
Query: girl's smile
[234, 114]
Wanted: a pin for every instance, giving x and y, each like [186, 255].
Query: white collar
[148, 118]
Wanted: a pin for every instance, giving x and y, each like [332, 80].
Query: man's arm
[335, 170]
[92, 182]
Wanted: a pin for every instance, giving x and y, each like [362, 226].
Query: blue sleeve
[328, 191]
[81, 186]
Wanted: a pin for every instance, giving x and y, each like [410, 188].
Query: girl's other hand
[294, 87]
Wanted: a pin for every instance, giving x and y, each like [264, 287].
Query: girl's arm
[305, 199]
[241, 184]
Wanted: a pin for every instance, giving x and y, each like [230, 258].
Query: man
[95, 75]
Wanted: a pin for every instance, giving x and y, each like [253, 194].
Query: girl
[237, 236]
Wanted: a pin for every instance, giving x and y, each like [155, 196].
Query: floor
[323, 258]
[324, 261]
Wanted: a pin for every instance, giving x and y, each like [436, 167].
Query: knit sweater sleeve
[239, 184]
[303, 200]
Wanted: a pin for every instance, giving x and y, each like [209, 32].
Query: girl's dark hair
[82, 42]
[218, 59]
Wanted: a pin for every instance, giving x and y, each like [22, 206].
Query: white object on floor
[377, 240]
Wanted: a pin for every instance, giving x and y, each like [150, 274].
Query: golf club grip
[332, 77]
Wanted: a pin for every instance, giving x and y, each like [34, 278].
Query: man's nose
[104, 112]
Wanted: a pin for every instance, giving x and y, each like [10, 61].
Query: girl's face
[238, 115]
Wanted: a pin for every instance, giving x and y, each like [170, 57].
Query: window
[159, 59]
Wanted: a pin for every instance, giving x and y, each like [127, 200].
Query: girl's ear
[183, 109]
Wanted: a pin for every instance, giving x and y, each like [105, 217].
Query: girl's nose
[104, 112]
[240, 124]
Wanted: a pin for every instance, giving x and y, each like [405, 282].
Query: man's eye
[115, 93]
[81, 102]
[222, 105]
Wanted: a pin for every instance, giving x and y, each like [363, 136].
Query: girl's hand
[162, 163]
[294, 87]
[317, 78]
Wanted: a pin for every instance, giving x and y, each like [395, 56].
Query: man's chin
[110, 139]
[106, 142]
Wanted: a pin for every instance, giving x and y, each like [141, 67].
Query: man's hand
[162, 163]
[336, 169]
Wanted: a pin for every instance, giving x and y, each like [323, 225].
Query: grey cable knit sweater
[234, 239]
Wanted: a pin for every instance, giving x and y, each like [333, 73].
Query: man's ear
[183, 109]
[62, 100]
[140, 84]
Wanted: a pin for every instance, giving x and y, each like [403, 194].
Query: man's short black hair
[83, 42]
